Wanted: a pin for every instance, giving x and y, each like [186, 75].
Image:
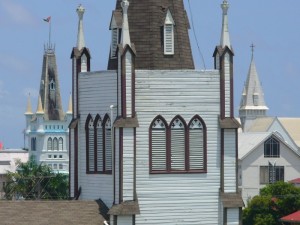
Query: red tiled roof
[294, 217]
[295, 181]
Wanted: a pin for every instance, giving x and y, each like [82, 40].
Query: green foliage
[33, 181]
[275, 201]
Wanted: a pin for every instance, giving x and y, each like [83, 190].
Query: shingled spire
[253, 102]
[146, 23]
[49, 87]
[225, 39]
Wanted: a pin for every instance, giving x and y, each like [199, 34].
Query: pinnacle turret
[225, 39]
[29, 108]
[125, 25]
[80, 36]
[40, 109]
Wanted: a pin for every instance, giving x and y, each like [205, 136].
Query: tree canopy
[35, 181]
[275, 201]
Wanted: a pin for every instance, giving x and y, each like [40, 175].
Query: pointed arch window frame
[96, 148]
[272, 148]
[186, 144]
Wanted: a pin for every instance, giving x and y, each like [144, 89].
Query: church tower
[47, 129]
[252, 104]
[80, 63]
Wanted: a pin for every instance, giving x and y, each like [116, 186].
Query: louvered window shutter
[91, 155]
[196, 144]
[177, 145]
[158, 146]
[169, 39]
[99, 146]
[108, 147]
[114, 42]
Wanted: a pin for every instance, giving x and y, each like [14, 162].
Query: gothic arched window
[158, 144]
[49, 144]
[99, 143]
[90, 147]
[197, 144]
[55, 144]
[60, 144]
[272, 148]
[107, 144]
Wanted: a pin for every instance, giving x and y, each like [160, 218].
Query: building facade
[152, 137]
[47, 131]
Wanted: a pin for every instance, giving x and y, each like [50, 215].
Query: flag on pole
[47, 19]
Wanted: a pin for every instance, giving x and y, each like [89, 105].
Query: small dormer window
[255, 99]
[52, 85]
[169, 34]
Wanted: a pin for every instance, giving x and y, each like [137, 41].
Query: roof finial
[29, 108]
[70, 108]
[225, 40]
[40, 109]
[80, 36]
[125, 26]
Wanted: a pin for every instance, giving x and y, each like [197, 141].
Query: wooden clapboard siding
[230, 160]
[233, 216]
[97, 91]
[165, 198]
[72, 165]
[227, 85]
[128, 64]
[128, 164]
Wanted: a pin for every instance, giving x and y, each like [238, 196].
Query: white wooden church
[153, 138]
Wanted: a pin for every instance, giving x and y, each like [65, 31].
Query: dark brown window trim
[103, 122]
[168, 147]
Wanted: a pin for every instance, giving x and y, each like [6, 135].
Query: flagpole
[49, 33]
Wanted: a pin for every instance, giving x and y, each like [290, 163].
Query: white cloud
[17, 13]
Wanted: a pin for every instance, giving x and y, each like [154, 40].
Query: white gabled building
[47, 131]
[153, 138]
[268, 146]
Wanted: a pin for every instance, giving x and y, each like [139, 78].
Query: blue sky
[272, 25]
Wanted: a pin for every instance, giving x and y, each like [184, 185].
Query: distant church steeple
[252, 102]
[50, 88]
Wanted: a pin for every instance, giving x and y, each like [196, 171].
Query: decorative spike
[40, 109]
[70, 108]
[80, 36]
[125, 26]
[29, 108]
[225, 39]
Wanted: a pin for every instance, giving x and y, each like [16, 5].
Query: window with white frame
[55, 144]
[178, 147]
[60, 143]
[271, 174]
[49, 144]
[272, 148]
[169, 34]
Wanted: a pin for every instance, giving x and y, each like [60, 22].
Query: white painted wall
[97, 92]
[128, 63]
[128, 164]
[250, 167]
[229, 160]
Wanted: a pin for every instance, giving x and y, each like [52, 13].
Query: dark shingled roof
[145, 25]
[51, 102]
[50, 212]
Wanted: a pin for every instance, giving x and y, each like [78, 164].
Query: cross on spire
[252, 46]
